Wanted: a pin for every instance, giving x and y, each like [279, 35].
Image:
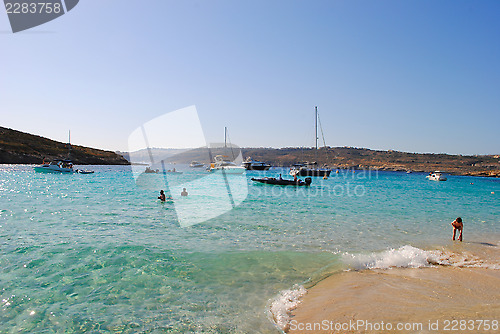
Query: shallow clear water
[98, 252]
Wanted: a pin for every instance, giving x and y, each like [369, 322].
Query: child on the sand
[457, 225]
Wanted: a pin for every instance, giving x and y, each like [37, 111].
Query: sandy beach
[438, 299]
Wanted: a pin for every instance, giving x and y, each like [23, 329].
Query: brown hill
[362, 158]
[359, 158]
[18, 147]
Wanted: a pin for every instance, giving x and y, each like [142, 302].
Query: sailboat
[61, 166]
[311, 168]
[58, 165]
[224, 165]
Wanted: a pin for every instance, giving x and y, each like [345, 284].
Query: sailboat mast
[225, 137]
[316, 132]
[69, 143]
[316, 126]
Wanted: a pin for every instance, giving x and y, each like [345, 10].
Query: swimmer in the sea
[162, 196]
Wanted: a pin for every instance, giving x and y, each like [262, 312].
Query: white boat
[196, 164]
[222, 165]
[60, 165]
[56, 166]
[251, 164]
[436, 176]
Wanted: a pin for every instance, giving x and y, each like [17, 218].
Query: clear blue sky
[417, 76]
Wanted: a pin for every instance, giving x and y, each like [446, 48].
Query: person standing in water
[162, 196]
[457, 225]
[184, 193]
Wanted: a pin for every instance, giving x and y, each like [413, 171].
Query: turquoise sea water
[99, 253]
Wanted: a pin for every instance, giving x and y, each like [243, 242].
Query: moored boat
[436, 176]
[56, 166]
[284, 182]
[251, 164]
[222, 165]
[85, 171]
[311, 169]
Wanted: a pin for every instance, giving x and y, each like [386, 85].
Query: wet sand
[440, 299]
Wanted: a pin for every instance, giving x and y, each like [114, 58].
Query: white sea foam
[403, 257]
[461, 260]
[412, 257]
[284, 303]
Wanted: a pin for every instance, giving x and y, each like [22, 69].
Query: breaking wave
[404, 257]
[284, 303]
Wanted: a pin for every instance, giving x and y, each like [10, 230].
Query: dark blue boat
[283, 182]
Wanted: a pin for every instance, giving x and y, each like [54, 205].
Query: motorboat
[61, 165]
[226, 166]
[196, 164]
[251, 164]
[284, 182]
[310, 169]
[436, 176]
[56, 166]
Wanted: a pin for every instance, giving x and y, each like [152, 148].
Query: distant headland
[18, 147]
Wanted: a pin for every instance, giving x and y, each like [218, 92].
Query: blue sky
[416, 76]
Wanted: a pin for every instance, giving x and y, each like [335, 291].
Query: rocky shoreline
[18, 147]
[361, 158]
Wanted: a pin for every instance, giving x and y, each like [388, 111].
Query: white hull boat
[56, 166]
[224, 166]
[436, 176]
